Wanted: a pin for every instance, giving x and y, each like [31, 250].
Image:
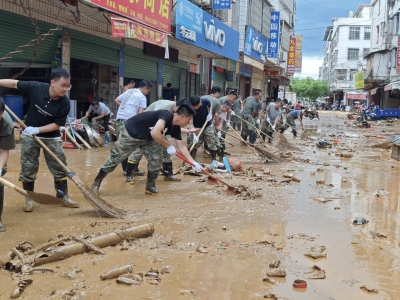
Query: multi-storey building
[347, 41]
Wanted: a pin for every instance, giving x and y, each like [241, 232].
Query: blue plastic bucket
[16, 104]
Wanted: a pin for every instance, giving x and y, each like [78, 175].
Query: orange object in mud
[114, 273]
[336, 141]
[372, 129]
[235, 164]
[300, 284]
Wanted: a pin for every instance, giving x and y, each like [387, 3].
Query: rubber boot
[123, 165]
[168, 172]
[239, 125]
[129, 169]
[97, 181]
[28, 186]
[244, 137]
[136, 171]
[294, 132]
[213, 154]
[193, 153]
[61, 187]
[2, 228]
[269, 140]
[151, 184]
[252, 139]
[221, 154]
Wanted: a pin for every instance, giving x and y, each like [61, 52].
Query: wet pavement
[239, 235]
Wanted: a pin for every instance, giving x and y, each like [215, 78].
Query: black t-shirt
[141, 125]
[42, 109]
[201, 114]
[171, 94]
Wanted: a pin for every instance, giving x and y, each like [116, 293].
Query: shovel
[230, 187]
[37, 197]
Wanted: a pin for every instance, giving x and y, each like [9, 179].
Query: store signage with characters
[398, 56]
[154, 13]
[359, 80]
[255, 44]
[221, 4]
[299, 50]
[215, 36]
[124, 28]
[190, 16]
[291, 57]
[246, 70]
[273, 43]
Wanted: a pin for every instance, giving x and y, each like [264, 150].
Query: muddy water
[241, 236]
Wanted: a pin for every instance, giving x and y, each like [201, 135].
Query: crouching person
[146, 132]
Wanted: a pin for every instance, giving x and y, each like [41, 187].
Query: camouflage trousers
[126, 144]
[246, 128]
[30, 151]
[223, 135]
[289, 123]
[137, 155]
[209, 136]
[119, 125]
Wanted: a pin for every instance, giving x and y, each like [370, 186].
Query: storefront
[246, 73]
[211, 35]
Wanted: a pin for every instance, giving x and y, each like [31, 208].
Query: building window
[377, 34]
[367, 33]
[352, 72]
[354, 33]
[365, 51]
[352, 54]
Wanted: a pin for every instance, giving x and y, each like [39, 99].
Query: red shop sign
[154, 13]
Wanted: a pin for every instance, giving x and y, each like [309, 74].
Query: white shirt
[131, 101]
[102, 108]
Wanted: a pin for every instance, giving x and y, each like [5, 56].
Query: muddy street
[209, 244]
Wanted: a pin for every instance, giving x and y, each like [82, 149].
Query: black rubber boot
[28, 186]
[193, 153]
[168, 172]
[129, 169]
[213, 154]
[2, 228]
[239, 124]
[136, 171]
[151, 184]
[61, 187]
[123, 165]
[294, 132]
[244, 137]
[252, 138]
[97, 181]
[269, 140]
[221, 154]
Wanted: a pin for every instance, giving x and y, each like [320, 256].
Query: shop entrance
[244, 87]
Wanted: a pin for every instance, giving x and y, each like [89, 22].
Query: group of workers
[140, 130]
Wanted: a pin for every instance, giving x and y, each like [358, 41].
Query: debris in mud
[368, 289]
[246, 193]
[114, 273]
[316, 252]
[274, 264]
[378, 193]
[19, 288]
[288, 175]
[185, 292]
[322, 200]
[273, 297]
[130, 279]
[336, 208]
[378, 235]
[266, 279]
[295, 179]
[360, 221]
[203, 229]
[300, 284]
[166, 270]
[70, 273]
[315, 273]
[345, 155]
[320, 182]
[277, 272]
[193, 173]
[301, 236]
[202, 249]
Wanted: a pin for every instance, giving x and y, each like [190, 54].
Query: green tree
[310, 88]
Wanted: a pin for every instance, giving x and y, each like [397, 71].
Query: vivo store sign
[214, 36]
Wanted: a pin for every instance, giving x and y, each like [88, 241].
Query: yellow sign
[359, 80]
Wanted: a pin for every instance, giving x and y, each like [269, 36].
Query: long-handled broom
[97, 202]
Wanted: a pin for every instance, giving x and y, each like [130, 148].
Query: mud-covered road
[239, 234]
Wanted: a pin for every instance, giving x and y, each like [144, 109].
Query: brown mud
[279, 219]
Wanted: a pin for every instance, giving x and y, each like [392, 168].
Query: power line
[325, 6]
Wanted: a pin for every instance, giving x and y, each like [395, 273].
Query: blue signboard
[189, 15]
[273, 43]
[246, 70]
[215, 36]
[255, 44]
[221, 4]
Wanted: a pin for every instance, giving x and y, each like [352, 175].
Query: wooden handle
[83, 141]
[201, 131]
[13, 186]
[243, 140]
[72, 139]
[258, 131]
[38, 140]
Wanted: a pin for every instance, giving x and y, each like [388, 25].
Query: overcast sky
[312, 18]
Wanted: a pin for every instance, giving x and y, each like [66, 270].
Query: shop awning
[392, 86]
[373, 91]
[282, 80]
[356, 96]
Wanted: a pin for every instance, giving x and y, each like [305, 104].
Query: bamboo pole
[72, 139]
[242, 140]
[83, 141]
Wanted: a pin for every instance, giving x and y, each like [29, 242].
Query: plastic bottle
[114, 273]
[107, 137]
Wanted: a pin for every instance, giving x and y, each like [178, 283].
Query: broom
[97, 202]
[260, 151]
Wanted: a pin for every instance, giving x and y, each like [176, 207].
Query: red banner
[123, 28]
[359, 96]
[398, 56]
[154, 13]
[291, 57]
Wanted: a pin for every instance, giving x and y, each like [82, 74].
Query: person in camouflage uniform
[290, 121]
[237, 107]
[146, 132]
[228, 101]
[252, 114]
[48, 110]
[273, 114]
[7, 142]
[167, 168]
